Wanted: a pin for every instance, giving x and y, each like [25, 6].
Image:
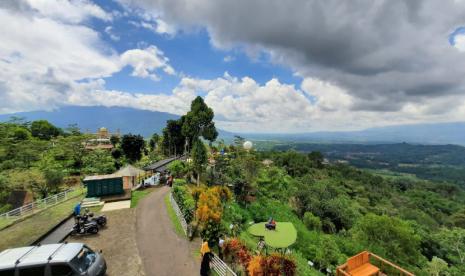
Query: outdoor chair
[359, 265]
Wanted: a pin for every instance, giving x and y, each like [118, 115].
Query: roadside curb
[37, 241]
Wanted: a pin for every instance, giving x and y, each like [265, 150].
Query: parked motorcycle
[82, 227]
[101, 220]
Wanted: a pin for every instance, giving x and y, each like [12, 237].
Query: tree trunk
[198, 179]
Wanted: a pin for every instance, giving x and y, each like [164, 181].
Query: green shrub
[312, 222]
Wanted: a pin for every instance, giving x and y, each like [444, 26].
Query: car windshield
[84, 259]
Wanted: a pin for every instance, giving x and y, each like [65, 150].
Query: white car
[153, 180]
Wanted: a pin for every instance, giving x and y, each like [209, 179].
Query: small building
[104, 185]
[120, 182]
[101, 139]
[160, 166]
[130, 175]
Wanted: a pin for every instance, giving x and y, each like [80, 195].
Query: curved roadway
[162, 251]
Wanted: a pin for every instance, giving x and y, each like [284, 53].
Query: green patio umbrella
[284, 236]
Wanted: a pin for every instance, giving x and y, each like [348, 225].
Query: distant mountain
[91, 118]
[439, 133]
[147, 122]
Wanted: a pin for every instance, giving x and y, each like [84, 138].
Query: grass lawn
[138, 195]
[24, 232]
[4, 222]
[174, 217]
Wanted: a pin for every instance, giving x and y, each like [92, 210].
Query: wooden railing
[342, 269]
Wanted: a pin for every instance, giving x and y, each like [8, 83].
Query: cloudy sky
[262, 65]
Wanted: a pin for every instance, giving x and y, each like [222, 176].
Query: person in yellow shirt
[204, 248]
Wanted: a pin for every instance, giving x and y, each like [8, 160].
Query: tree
[317, 158]
[199, 158]
[452, 242]
[132, 146]
[114, 140]
[5, 191]
[154, 141]
[98, 162]
[437, 267]
[177, 168]
[458, 219]
[388, 236]
[312, 222]
[75, 149]
[21, 134]
[73, 129]
[173, 139]
[44, 130]
[53, 179]
[198, 122]
[116, 153]
[328, 254]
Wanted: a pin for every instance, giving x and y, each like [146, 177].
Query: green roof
[284, 236]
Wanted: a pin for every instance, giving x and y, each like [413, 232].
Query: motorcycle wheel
[94, 230]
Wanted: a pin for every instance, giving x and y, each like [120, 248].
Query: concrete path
[111, 206]
[59, 234]
[162, 251]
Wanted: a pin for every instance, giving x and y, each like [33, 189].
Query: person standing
[204, 248]
[220, 247]
[77, 209]
[205, 265]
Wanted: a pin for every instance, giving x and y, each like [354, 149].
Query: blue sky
[190, 54]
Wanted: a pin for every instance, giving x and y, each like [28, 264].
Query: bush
[312, 222]
[177, 168]
[185, 201]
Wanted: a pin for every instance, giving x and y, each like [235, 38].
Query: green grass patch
[174, 218]
[137, 195]
[24, 232]
[4, 222]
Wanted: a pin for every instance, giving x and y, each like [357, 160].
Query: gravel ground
[118, 242]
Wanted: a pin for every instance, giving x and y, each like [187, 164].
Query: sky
[262, 65]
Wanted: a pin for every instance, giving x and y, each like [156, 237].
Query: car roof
[40, 254]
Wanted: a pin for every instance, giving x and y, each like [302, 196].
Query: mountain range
[144, 122]
[91, 118]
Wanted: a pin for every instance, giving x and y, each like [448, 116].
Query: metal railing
[220, 267]
[179, 214]
[36, 206]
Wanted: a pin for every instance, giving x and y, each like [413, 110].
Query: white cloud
[164, 28]
[243, 105]
[229, 58]
[109, 32]
[69, 11]
[156, 25]
[146, 62]
[459, 42]
[44, 60]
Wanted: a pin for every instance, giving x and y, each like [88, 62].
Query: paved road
[162, 251]
[59, 234]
